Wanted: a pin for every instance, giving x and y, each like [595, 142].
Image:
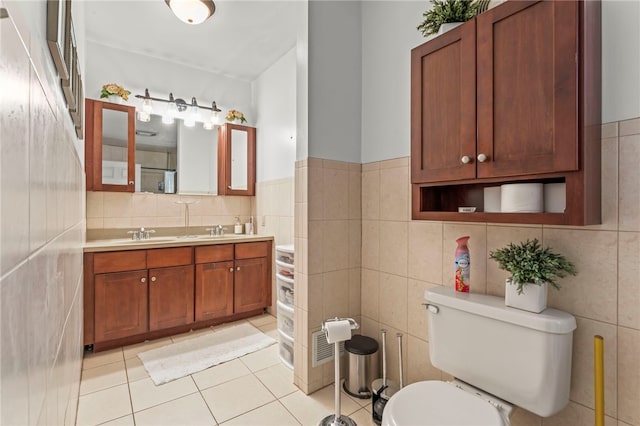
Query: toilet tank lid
[550, 320]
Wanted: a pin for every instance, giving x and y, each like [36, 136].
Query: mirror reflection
[170, 158]
[239, 159]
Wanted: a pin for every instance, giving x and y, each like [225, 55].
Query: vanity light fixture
[192, 12]
[177, 107]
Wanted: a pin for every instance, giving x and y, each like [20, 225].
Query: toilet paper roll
[492, 199]
[522, 198]
[555, 197]
[337, 331]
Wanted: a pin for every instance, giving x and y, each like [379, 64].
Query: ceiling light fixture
[177, 108]
[192, 12]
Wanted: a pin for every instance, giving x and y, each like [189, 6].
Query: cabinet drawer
[217, 253]
[251, 250]
[119, 261]
[178, 256]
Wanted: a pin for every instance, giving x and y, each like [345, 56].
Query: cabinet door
[252, 284]
[443, 107]
[214, 290]
[527, 88]
[236, 160]
[120, 305]
[170, 297]
[110, 147]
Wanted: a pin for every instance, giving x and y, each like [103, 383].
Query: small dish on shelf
[466, 209]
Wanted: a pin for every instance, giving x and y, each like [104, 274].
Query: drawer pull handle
[153, 279]
[143, 280]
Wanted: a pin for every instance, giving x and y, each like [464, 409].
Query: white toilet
[499, 356]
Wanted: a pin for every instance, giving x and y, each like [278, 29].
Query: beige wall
[123, 210]
[273, 209]
[327, 243]
[41, 237]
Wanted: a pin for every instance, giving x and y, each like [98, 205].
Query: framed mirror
[236, 160]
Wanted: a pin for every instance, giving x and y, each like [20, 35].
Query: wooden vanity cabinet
[214, 281]
[134, 295]
[510, 96]
[252, 271]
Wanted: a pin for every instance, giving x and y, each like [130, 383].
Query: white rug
[190, 356]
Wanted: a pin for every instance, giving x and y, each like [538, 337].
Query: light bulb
[143, 116]
[167, 118]
[189, 121]
[146, 106]
[192, 12]
[208, 125]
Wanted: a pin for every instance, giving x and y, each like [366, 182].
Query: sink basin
[220, 237]
[149, 241]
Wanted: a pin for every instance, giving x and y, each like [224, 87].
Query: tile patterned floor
[256, 389]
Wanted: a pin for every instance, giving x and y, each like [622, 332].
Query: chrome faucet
[215, 231]
[141, 234]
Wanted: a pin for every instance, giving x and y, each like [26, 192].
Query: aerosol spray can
[463, 265]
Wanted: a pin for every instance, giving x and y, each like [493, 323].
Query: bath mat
[190, 356]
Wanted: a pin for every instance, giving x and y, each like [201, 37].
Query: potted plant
[447, 12]
[532, 269]
[114, 92]
[234, 115]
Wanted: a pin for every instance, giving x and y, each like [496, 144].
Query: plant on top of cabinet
[445, 12]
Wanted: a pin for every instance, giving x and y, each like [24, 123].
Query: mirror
[170, 158]
[239, 160]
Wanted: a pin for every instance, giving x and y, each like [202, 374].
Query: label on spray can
[463, 265]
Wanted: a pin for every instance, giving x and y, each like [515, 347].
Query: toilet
[501, 357]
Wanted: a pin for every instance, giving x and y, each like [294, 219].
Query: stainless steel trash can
[362, 365]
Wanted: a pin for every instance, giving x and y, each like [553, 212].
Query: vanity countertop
[118, 244]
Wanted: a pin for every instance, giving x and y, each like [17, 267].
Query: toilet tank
[519, 356]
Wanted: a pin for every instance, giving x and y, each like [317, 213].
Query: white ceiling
[241, 40]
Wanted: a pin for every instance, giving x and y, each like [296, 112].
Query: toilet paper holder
[354, 325]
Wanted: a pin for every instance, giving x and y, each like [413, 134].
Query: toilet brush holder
[338, 330]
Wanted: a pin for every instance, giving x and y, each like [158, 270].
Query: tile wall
[401, 258]
[41, 237]
[113, 210]
[328, 252]
[273, 209]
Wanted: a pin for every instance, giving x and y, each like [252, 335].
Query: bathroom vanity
[137, 290]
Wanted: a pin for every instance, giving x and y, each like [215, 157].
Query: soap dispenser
[237, 228]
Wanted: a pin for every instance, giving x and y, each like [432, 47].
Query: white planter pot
[532, 299]
[448, 26]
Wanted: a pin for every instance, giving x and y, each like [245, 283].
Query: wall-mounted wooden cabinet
[236, 160]
[511, 96]
[116, 123]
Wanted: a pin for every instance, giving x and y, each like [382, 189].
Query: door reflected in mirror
[114, 148]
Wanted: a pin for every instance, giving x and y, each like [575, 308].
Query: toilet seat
[436, 403]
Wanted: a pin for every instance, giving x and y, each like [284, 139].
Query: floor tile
[262, 359]
[190, 335]
[311, 409]
[272, 414]
[219, 374]
[102, 377]
[120, 421]
[188, 410]
[105, 405]
[363, 417]
[135, 369]
[262, 320]
[134, 350]
[236, 397]
[145, 394]
[92, 360]
[278, 379]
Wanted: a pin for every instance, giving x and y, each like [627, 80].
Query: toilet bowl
[436, 403]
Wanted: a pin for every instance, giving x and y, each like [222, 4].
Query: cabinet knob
[230, 269]
[143, 280]
[465, 159]
[131, 182]
[153, 279]
[482, 158]
[238, 268]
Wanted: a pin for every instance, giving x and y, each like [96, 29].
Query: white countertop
[118, 244]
